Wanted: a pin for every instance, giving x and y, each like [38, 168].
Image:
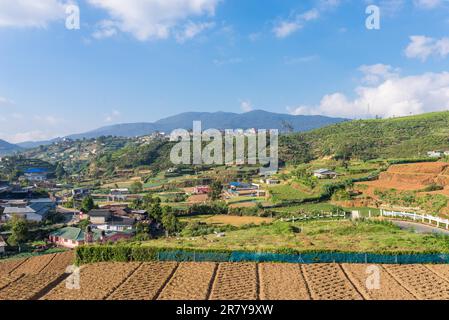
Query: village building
[26, 213]
[72, 237]
[325, 174]
[104, 219]
[202, 190]
[117, 195]
[36, 174]
[3, 245]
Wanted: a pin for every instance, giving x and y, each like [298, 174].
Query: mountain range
[219, 120]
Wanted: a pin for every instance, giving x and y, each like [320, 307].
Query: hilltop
[218, 120]
[411, 136]
[8, 148]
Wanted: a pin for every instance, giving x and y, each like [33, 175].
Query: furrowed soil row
[191, 281]
[34, 265]
[60, 262]
[6, 280]
[441, 270]
[8, 266]
[145, 283]
[282, 282]
[28, 286]
[389, 288]
[419, 280]
[328, 282]
[97, 281]
[235, 281]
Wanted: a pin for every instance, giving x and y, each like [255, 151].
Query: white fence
[315, 217]
[417, 217]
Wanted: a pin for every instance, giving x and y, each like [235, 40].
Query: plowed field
[44, 278]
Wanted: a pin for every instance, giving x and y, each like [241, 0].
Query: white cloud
[422, 47]
[5, 102]
[221, 62]
[153, 19]
[49, 119]
[31, 13]
[393, 96]
[428, 4]
[105, 29]
[112, 116]
[246, 106]
[35, 135]
[191, 30]
[375, 73]
[287, 27]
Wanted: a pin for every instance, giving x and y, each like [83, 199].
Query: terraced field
[44, 278]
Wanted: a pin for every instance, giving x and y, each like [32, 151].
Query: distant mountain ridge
[219, 120]
[8, 148]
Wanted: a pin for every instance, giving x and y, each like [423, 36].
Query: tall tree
[216, 189]
[87, 204]
[170, 221]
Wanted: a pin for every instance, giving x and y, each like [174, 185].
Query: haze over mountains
[219, 120]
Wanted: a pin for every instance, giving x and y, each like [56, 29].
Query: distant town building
[3, 245]
[117, 195]
[202, 190]
[36, 174]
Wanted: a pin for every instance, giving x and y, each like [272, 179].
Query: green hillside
[402, 137]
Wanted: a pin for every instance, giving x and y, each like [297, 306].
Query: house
[325, 174]
[42, 206]
[27, 213]
[271, 181]
[202, 190]
[72, 237]
[36, 174]
[435, 154]
[99, 216]
[245, 189]
[104, 219]
[117, 195]
[2, 246]
[80, 193]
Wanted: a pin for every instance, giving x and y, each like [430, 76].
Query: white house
[2, 246]
[435, 154]
[325, 174]
[26, 212]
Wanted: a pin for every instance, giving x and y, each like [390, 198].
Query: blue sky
[142, 60]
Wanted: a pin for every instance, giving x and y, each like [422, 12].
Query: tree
[136, 187]
[216, 189]
[60, 171]
[20, 231]
[170, 221]
[155, 211]
[87, 204]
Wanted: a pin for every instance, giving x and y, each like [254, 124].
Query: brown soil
[60, 262]
[146, 282]
[424, 283]
[282, 282]
[235, 281]
[7, 266]
[191, 281]
[97, 282]
[389, 288]
[414, 176]
[34, 265]
[26, 287]
[328, 282]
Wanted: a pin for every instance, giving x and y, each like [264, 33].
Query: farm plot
[191, 281]
[7, 266]
[6, 280]
[282, 282]
[97, 282]
[146, 282]
[388, 289]
[28, 287]
[421, 281]
[60, 262]
[235, 281]
[328, 282]
[34, 265]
